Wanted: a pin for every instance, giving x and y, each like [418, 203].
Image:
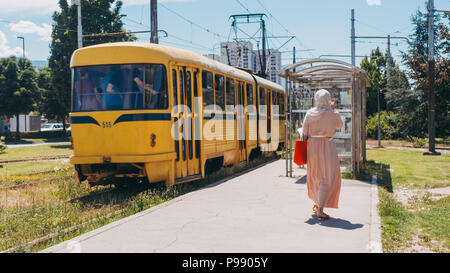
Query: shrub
[388, 122]
[2, 147]
[417, 142]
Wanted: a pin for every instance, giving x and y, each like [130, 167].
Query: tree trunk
[17, 127]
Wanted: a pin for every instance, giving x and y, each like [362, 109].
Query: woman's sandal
[324, 217]
[316, 211]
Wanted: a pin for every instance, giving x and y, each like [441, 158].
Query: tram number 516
[106, 124]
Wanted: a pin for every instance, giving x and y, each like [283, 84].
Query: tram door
[188, 145]
[240, 118]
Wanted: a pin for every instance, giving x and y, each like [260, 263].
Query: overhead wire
[246, 8]
[276, 20]
[189, 43]
[242, 5]
[191, 22]
[371, 26]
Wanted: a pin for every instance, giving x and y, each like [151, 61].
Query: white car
[52, 127]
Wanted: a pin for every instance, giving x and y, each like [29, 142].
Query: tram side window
[156, 96]
[219, 85]
[230, 91]
[175, 87]
[249, 94]
[207, 87]
[277, 98]
[262, 97]
[187, 78]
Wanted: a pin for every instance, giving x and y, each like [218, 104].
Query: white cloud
[49, 6]
[32, 6]
[44, 31]
[374, 2]
[5, 50]
[147, 2]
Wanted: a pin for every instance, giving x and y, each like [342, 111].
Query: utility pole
[431, 98]
[263, 63]
[251, 19]
[293, 59]
[154, 23]
[388, 62]
[79, 27]
[353, 37]
[379, 123]
[388, 66]
[23, 46]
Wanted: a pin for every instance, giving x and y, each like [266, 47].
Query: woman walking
[323, 169]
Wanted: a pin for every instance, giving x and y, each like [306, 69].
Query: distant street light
[379, 123]
[23, 46]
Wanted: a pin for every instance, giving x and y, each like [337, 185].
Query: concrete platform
[259, 211]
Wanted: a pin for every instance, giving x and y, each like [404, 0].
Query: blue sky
[320, 26]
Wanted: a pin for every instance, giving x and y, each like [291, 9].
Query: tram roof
[141, 52]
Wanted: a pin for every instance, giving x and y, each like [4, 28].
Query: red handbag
[300, 153]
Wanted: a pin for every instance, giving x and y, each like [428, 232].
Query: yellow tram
[162, 113]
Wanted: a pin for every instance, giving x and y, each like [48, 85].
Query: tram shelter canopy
[315, 74]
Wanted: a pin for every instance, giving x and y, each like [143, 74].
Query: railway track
[134, 188]
[90, 195]
[34, 159]
[28, 184]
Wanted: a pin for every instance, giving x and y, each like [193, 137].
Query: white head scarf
[322, 101]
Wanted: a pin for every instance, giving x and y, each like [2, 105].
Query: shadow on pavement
[334, 223]
[302, 180]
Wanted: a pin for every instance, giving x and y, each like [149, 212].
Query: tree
[48, 104]
[416, 59]
[18, 88]
[97, 17]
[375, 67]
[402, 99]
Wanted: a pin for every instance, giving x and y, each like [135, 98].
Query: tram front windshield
[119, 87]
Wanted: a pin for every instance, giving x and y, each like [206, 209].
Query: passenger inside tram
[113, 84]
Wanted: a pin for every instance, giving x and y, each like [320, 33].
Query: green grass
[423, 221]
[412, 169]
[396, 223]
[36, 151]
[434, 219]
[27, 168]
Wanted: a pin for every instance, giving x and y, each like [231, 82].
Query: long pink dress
[323, 169]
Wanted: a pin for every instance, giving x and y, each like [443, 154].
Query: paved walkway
[259, 211]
